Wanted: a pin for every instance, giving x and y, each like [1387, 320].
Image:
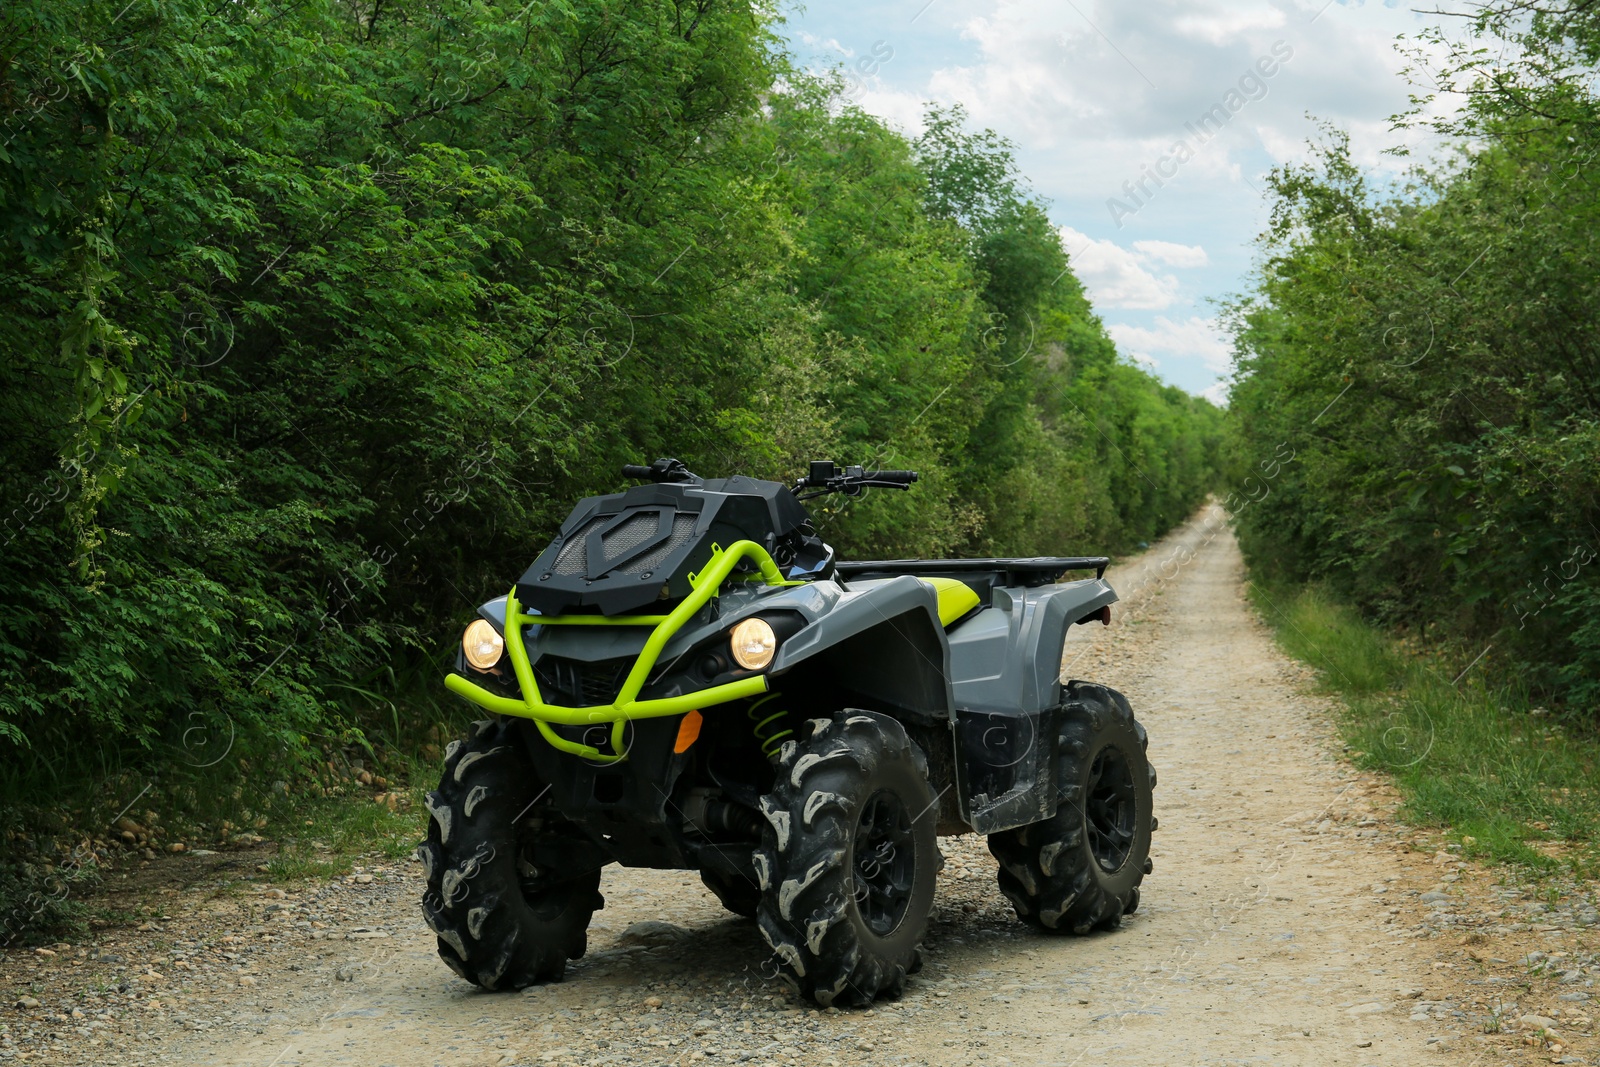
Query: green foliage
[1472, 759]
[1416, 419]
[319, 317]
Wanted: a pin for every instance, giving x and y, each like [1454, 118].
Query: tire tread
[487, 931]
[1046, 869]
[804, 911]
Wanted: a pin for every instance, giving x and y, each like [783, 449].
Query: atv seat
[956, 599]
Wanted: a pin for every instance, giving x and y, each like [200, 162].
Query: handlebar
[826, 477]
[664, 470]
[891, 477]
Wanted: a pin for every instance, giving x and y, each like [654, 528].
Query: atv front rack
[627, 706]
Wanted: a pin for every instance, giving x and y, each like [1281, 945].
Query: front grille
[581, 683]
[573, 559]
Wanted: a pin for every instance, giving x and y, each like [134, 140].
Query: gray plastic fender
[1006, 670]
[1009, 659]
[837, 613]
[495, 612]
[910, 669]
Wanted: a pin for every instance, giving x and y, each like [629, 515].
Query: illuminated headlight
[482, 645]
[754, 644]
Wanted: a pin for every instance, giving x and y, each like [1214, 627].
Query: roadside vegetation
[1512, 781]
[319, 317]
[1415, 420]
[1415, 438]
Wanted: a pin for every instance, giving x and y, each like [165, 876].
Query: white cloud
[901, 110]
[1114, 276]
[1217, 393]
[1097, 94]
[1173, 255]
[1104, 87]
[1143, 70]
[828, 44]
[1194, 338]
[1226, 26]
[1283, 146]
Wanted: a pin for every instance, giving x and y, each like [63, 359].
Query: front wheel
[502, 923]
[1080, 869]
[848, 859]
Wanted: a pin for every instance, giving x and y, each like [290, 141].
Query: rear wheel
[1080, 870]
[502, 923]
[848, 859]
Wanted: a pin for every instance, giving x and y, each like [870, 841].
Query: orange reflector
[688, 732]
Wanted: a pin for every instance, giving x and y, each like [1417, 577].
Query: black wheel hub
[885, 862]
[1110, 809]
[538, 884]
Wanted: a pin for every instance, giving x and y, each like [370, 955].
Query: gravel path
[1289, 919]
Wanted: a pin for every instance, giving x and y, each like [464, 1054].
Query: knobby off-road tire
[738, 894]
[500, 925]
[848, 859]
[1080, 870]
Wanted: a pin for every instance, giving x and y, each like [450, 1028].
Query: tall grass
[1514, 782]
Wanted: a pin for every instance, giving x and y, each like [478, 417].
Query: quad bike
[686, 678]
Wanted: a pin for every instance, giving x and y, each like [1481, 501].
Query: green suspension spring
[769, 728]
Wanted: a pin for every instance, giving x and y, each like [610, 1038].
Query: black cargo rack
[1037, 570]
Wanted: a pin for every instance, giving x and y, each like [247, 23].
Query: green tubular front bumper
[704, 586]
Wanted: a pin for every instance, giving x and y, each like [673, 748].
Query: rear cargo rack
[1036, 570]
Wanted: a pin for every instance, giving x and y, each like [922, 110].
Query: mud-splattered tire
[737, 893]
[848, 859]
[1080, 870]
[500, 924]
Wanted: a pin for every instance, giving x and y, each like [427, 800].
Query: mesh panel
[682, 533]
[632, 533]
[574, 557]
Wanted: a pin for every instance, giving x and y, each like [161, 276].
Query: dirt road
[1284, 923]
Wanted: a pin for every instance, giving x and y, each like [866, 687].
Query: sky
[1099, 95]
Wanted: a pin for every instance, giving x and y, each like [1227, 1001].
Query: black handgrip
[898, 477]
[634, 470]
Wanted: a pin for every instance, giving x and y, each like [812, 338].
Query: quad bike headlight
[754, 644]
[481, 645]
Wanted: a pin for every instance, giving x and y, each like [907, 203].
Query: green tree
[1415, 417]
